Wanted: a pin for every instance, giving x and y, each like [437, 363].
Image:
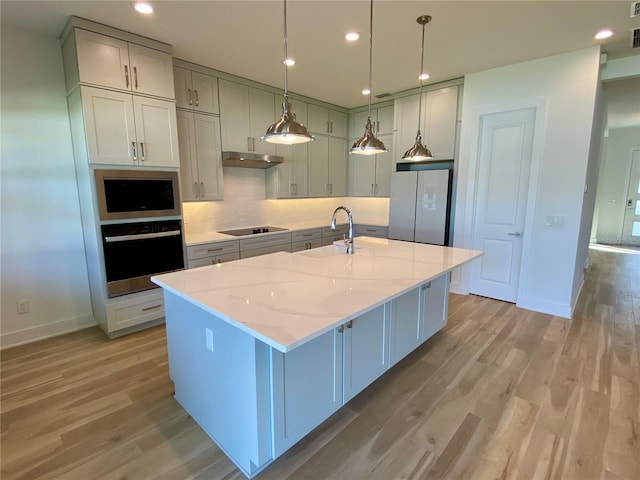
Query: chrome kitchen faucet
[348, 241]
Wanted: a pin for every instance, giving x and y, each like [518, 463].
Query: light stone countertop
[286, 299]
[207, 237]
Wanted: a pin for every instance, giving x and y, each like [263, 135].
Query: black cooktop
[241, 232]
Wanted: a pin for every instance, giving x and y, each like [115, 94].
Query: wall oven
[130, 194]
[133, 252]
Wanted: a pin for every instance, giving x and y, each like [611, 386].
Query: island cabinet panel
[366, 352]
[207, 357]
[406, 324]
[307, 387]
[434, 304]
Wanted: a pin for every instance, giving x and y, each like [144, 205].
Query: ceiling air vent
[387, 94]
[635, 9]
[635, 38]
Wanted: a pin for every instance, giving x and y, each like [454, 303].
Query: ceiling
[245, 37]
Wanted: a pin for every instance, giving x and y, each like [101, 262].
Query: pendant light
[368, 144]
[286, 130]
[419, 151]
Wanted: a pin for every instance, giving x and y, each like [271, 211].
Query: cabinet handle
[254, 144]
[135, 154]
[146, 309]
[214, 249]
[190, 100]
[377, 126]
[375, 189]
[341, 329]
[370, 230]
[372, 191]
[195, 190]
[249, 143]
[142, 151]
[292, 191]
[331, 188]
[197, 99]
[350, 324]
[515, 234]
[330, 127]
[307, 234]
[135, 76]
[201, 189]
[126, 75]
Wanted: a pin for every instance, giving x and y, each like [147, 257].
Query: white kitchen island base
[256, 395]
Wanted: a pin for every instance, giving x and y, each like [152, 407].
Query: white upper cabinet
[327, 167]
[196, 91]
[200, 156]
[109, 62]
[245, 113]
[327, 122]
[125, 129]
[370, 175]
[437, 125]
[381, 120]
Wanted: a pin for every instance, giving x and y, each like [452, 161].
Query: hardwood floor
[501, 392]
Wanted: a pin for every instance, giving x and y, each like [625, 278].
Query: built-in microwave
[129, 194]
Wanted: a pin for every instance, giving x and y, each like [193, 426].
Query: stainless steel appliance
[128, 194]
[133, 252]
[419, 206]
[241, 232]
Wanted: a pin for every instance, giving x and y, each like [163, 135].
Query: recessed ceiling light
[289, 61]
[143, 7]
[604, 34]
[366, 91]
[352, 36]
[423, 76]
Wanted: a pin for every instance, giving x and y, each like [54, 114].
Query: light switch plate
[555, 221]
[209, 339]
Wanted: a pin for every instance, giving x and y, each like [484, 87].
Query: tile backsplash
[245, 205]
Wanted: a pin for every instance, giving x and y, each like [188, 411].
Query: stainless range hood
[250, 160]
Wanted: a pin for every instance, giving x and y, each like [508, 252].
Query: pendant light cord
[370, 52]
[284, 62]
[421, 79]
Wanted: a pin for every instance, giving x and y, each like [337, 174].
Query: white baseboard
[40, 332]
[543, 306]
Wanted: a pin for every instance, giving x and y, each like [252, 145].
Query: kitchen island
[262, 350]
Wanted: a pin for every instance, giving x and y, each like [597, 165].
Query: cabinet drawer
[340, 230]
[212, 249]
[134, 311]
[202, 262]
[372, 231]
[266, 241]
[306, 235]
[285, 247]
[306, 245]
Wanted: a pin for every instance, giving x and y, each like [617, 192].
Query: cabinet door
[307, 388]
[337, 167]
[362, 175]
[209, 155]
[384, 162]
[406, 121]
[183, 89]
[318, 166]
[292, 173]
[366, 355]
[406, 324]
[205, 93]
[384, 122]
[234, 116]
[110, 126]
[439, 122]
[262, 108]
[103, 60]
[188, 160]
[338, 124]
[318, 118]
[151, 70]
[359, 122]
[156, 132]
[435, 305]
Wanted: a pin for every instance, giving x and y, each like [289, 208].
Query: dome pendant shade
[418, 151]
[368, 144]
[287, 131]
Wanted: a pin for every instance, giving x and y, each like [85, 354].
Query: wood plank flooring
[500, 393]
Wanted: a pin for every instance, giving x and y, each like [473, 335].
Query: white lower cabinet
[256, 246]
[128, 312]
[212, 253]
[406, 325]
[434, 305]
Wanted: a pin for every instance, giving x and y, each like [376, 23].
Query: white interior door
[631, 226]
[504, 163]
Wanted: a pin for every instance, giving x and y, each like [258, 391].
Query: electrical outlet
[22, 306]
[209, 339]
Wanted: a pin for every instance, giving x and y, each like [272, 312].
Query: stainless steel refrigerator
[419, 207]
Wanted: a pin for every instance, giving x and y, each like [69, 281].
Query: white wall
[563, 90]
[42, 251]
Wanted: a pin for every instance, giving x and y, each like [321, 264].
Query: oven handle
[141, 236]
